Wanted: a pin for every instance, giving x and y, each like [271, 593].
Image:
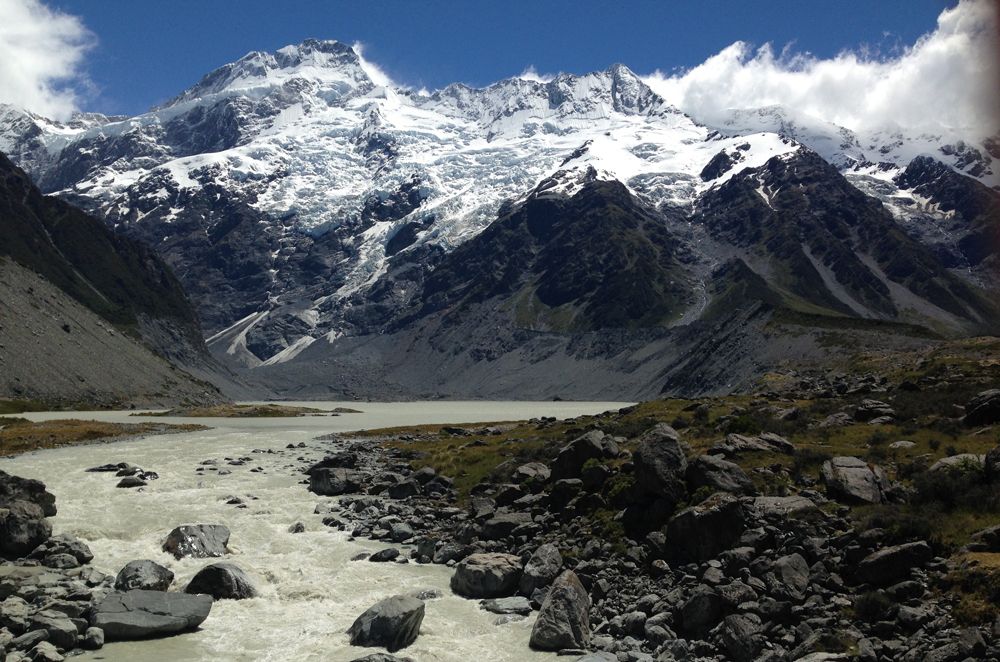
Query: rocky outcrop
[564, 619]
[222, 581]
[393, 623]
[853, 480]
[487, 575]
[142, 614]
[197, 541]
[145, 575]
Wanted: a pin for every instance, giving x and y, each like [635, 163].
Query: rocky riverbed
[599, 538]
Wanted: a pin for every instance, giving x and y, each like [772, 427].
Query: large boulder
[144, 614]
[984, 409]
[852, 480]
[336, 481]
[592, 446]
[198, 541]
[23, 527]
[769, 507]
[701, 532]
[541, 569]
[393, 623]
[145, 575]
[564, 619]
[222, 581]
[960, 462]
[659, 468]
[15, 488]
[719, 475]
[487, 575]
[893, 564]
[737, 444]
[24, 505]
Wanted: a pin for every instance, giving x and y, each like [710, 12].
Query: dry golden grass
[18, 435]
[245, 411]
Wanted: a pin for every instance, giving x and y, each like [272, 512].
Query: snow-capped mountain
[289, 190]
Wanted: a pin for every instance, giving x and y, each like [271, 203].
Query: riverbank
[19, 435]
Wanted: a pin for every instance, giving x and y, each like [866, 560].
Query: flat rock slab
[513, 605]
[145, 614]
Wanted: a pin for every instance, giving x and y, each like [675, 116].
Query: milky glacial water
[310, 590]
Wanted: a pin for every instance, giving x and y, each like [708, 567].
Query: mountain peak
[325, 61]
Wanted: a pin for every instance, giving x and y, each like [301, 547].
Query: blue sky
[146, 51]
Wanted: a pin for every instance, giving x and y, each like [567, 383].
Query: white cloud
[378, 76]
[949, 79]
[41, 55]
[530, 73]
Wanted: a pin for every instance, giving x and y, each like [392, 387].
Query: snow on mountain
[306, 137]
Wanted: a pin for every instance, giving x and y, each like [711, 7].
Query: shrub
[934, 444]
[807, 458]
[874, 606]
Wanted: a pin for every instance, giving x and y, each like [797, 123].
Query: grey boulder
[718, 474]
[541, 569]
[487, 575]
[853, 480]
[198, 541]
[144, 614]
[143, 574]
[393, 623]
[564, 619]
[222, 581]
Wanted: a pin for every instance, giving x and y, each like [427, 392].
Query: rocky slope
[791, 524]
[88, 315]
[311, 209]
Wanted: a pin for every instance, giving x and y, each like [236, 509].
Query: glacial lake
[310, 589]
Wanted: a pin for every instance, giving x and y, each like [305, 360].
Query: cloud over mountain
[41, 57]
[950, 78]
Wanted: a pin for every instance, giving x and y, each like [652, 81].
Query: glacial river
[310, 590]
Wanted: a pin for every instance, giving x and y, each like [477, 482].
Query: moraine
[310, 591]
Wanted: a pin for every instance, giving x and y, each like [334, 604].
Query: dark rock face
[893, 564]
[143, 574]
[853, 480]
[984, 409]
[701, 532]
[222, 581]
[119, 279]
[198, 541]
[144, 614]
[564, 619]
[393, 623]
[487, 575]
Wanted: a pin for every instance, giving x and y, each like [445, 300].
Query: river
[310, 590]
